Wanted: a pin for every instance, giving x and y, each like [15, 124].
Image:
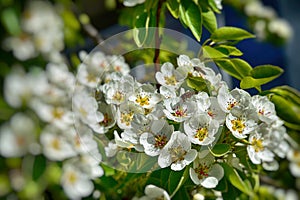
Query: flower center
[201, 133]
[238, 125]
[202, 171]
[118, 96]
[126, 118]
[72, 177]
[55, 144]
[91, 78]
[231, 103]
[177, 154]
[257, 145]
[106, 120]
[170, 80]
[160, 141]
[142, 100]
[57, 113]
[180, 112]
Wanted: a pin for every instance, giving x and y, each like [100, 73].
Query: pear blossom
[118, 91]
[118, 64]
[58, 116]
[109, 113]
[59, 75]
[85, 108]
[153, 192]
[75, 183]
[258, 150]
[178, 110]
[158, 136]
[231, 100]
[240, 124]
[145, 96]
[131, 3]
[17, 136]
[85, 77]
[177, 152]
[169, 76]
[56, 146]
[264, 108]
[294, 158]
[281, 28]
[111, 149]
[205, 171]
[167, 92]
[17, 90]
[201, 129]
[22, 46]
[126, 112]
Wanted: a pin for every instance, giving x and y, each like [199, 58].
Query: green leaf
[261, 75]
[213, 5]
[285, 109]
[228, 67]
[10, 21]
[230, 34]
[234, 178]
[198, 84]
[39, 167]
[173, 7]
[266, 71]
[192, 17]
[235, 67]
[229, 50]
[220, 149]
[288, 92]
[243, 67]
[209, 52]
[182, 16]
[209, 20]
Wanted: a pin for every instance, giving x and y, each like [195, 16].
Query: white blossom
[201, 129]
[158, 136]
[131, 3]
[178, 110]
[75, 183]
[153, 192]
[17, 136]
[294, 165]
[56, 146]
[258, 149]
[146, 96]
[205, 171]
[240, 124]
[177, 152]
[265, 108]
[169, 76]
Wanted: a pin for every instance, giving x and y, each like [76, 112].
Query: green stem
[181, 182]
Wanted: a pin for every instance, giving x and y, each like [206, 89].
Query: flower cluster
[48, 95]
[42, 32]
[176, 123]
[265, 21]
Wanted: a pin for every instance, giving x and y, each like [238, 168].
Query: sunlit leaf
[230, 34]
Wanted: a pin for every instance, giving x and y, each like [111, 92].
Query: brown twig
[87, 27]
[157, 37]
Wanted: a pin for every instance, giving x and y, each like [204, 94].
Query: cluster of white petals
[173, 122]
[42, 32]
